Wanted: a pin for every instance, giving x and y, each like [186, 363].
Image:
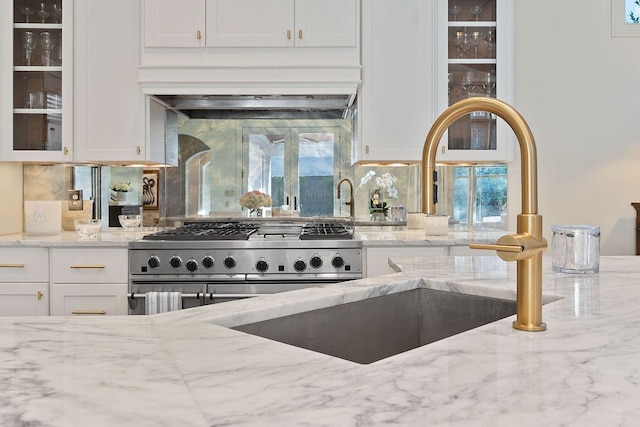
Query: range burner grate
[326, 231]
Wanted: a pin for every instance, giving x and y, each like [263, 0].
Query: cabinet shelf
[37, 26]
[35, 68]
[472, 23]
[465, 61]
[51, 111]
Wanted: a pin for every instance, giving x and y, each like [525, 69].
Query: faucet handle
[514, 247]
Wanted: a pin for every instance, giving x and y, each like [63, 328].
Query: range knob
[175, 261]
[299, 265]
[315, 261]
[262, 266]
[153, 262]
[208, 261]
[230, 262]
[337, 261]
[192, 265]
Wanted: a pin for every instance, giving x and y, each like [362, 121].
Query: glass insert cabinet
[476, 66]
[40, 50]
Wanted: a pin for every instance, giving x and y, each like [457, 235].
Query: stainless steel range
[206, 262]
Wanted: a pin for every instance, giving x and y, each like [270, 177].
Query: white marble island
[183, 368]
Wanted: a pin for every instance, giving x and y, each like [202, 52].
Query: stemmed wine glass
[455, 10]
[475, 39]
[463, 43]
[476, 10]
[468, 82]
[47, 41]
[56, 12]
[489, 82]
[44, 10]
[27, 11]
[490, 41]
[29, 43]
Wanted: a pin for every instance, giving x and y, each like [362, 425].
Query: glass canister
[575, 248]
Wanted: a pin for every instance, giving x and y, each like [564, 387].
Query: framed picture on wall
[150, 189]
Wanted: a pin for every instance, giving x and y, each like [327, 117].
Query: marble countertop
[188, 368]
[370, 236]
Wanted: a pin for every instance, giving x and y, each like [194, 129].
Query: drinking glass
[56, 12]
[475, 39]
[455, 10]
[47, 41]
[44, 10]
[29, 43]
[489, 82]
[468, 82]
[463, 43]
[476, 10]
[27, 11]
[490, 42]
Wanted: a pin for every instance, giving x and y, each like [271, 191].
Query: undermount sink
[376, 328]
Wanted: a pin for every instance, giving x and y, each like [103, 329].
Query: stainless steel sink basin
[372, 329]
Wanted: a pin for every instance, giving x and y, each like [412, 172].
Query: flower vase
[122, 197]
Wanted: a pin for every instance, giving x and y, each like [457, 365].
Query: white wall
[11, 210]
[579, 90]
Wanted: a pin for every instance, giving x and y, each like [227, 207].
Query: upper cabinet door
[36, 60]
[174, 23]
[326, 23]
[250, 23]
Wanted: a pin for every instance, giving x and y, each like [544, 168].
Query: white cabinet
[281, 23]
[397, 103]
[377, 258]
[89, 281]
[413, 67]
[250, 23]
[475, 59]
[111, 109]
[36, 57]
[174, 23]
[24, 281]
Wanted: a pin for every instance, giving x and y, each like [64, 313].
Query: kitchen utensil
[575, 248]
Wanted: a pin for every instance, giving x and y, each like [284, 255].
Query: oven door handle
[213, 295]
[142, 295]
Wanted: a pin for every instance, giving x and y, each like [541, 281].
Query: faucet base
[530, 328]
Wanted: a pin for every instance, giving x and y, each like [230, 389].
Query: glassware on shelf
[27, 11]
[476, 10]
[47, 41]
[44, 11]
[463, 43]
[489, 83]
[455, 10]
[476, 36]
[56, 12]
[490, 42]
[29, 43]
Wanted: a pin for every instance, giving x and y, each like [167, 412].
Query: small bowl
[88, 228]
[129, 222]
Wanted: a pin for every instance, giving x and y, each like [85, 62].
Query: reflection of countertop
[183, 368]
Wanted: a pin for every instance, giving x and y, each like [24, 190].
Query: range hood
[261, 106]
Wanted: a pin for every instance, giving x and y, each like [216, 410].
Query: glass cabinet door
[475, 68]
[38, 90]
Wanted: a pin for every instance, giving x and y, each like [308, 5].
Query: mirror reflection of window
[296, 166]
[632, 11]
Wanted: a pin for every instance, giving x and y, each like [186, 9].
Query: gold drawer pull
[39, 295]
[87, 266]
[11, 265]
[299, 34]
[87, 312]
[198, 35]
[288, 34]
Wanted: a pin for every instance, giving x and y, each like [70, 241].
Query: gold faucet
[527, 244]
[351, 202]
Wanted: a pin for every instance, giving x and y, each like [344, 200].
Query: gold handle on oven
[88, 312]
[87, 266]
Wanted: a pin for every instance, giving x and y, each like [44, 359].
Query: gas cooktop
[240, 230]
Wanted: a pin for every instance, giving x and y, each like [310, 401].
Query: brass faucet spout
[350, 202]
[527, 245]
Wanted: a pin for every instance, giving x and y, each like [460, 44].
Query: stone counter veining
[186, 368]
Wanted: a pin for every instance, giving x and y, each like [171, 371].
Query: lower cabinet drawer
[89, 265]
[75, 299]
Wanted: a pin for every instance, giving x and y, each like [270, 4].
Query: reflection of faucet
[527, 244]
[351, 202]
